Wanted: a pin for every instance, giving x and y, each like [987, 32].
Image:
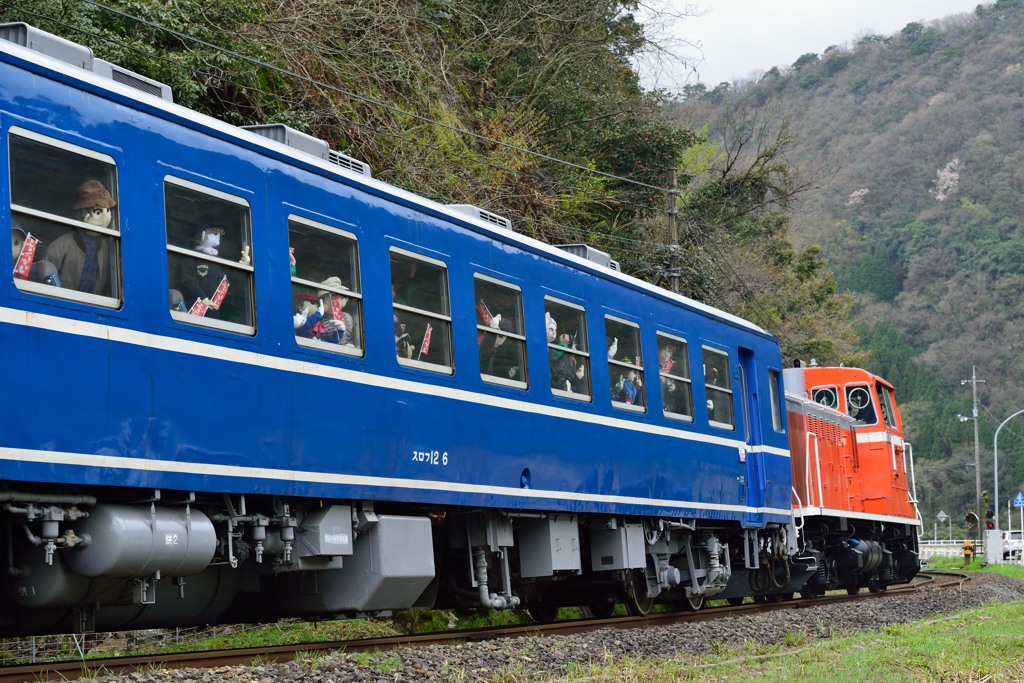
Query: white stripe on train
[300, 476]
[226, 353]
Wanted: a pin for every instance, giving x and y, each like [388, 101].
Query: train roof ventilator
[308, 144]
[81, 56]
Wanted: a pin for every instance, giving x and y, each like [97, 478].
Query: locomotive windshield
[859, 405]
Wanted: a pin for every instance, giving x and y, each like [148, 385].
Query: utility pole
[673, 237]
[974, 382]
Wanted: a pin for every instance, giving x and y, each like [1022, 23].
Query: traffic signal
[990, 523]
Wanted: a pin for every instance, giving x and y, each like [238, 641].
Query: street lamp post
[995, 462]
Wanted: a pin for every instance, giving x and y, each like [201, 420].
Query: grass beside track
[978, 645]
[985, 644]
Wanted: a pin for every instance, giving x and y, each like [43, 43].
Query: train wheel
[542, 613]
[876, 587]
[637, 602]
[735, 602]
[692, 603]
[852, 590]
[810, 593]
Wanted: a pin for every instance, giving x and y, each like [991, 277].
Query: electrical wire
[367, 100]
[627, 245]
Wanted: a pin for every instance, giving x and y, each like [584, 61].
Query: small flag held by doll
[485, 317]
[200, 309]
[336, 311]
[425, 348]
[28, 254]
[485, 313]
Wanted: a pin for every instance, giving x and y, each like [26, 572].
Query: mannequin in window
[199, 280]
[205, 282]
[498, 356]
[403, 340]
[17, 241]
[82, 257]
[339, 326]
[308, 312]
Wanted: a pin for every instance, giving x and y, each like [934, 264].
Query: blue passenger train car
[252, 381]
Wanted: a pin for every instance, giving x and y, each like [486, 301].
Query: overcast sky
[733, 38]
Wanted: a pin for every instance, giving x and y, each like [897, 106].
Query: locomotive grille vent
[485, 216]
[827, 432]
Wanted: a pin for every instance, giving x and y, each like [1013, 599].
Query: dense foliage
[922, 220]
[473, 102]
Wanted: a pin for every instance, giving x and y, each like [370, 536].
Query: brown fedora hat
[92, 193]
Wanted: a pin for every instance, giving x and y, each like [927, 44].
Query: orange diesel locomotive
[853, 479]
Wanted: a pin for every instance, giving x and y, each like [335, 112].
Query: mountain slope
[921, 216]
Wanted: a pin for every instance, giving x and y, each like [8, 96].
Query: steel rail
[91, 668]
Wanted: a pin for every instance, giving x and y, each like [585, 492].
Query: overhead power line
[369, 100]
[625, 244]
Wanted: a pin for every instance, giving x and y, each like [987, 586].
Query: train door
[751, 409]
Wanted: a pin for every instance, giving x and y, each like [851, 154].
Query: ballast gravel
[541, 656]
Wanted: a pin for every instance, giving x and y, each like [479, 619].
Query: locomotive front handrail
[817, 465]
[892, 450]
[799, 510]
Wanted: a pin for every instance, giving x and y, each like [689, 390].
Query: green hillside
[915, 142]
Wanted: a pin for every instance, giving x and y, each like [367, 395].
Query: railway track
[69, 670]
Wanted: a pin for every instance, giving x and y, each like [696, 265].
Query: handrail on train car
[817, 465]
[798, 511]
[908, 450]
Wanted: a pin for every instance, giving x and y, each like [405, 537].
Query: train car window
[859, 405]
[625, 364]
[65, 222]
[499, 332]
[423, 323]
[568, 354]
[774, 382]
[719, 389]
[209, 257]
[826, 396]
[887, 404]
[327, 300]
[674, 372]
